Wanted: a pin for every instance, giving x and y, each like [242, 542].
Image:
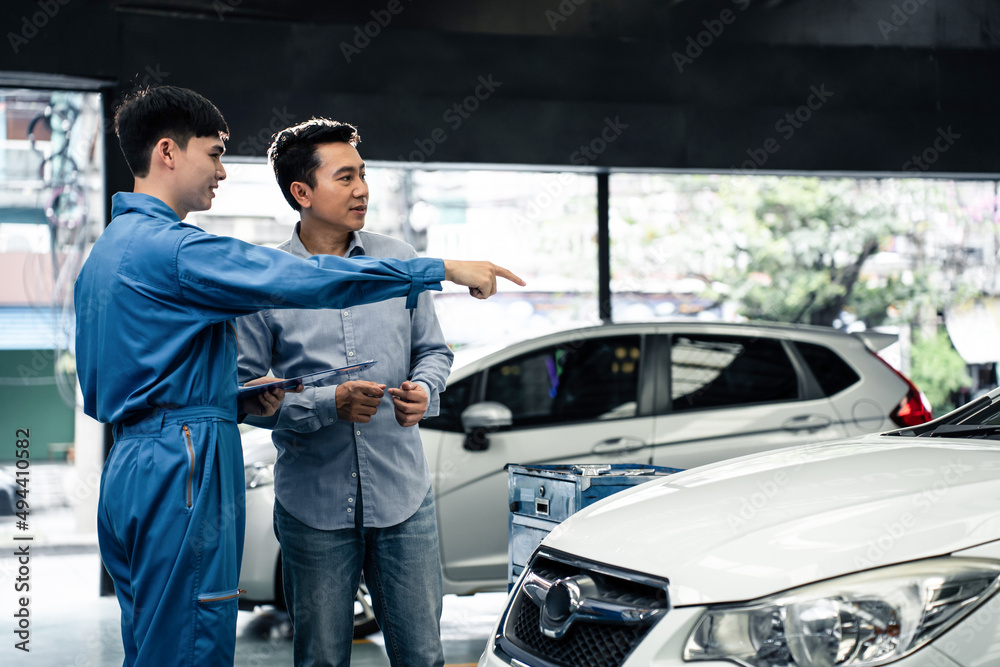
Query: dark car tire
[279, 587]
[7, 507]
[364, 616]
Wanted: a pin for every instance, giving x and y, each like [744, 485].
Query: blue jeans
[402, 567]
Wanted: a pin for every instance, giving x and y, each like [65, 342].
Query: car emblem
[563, 602]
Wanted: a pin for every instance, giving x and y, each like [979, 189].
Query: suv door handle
[613, 445]
[810, 423]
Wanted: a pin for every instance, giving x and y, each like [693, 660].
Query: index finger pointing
[504, 273]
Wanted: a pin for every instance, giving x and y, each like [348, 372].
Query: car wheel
[364, 616]
[7, 507]
[279, 587]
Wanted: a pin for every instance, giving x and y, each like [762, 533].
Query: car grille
[611, 611]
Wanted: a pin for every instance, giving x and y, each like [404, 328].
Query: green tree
[938, 369]
[804, 244]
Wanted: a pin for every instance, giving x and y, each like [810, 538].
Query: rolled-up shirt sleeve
[306, 412]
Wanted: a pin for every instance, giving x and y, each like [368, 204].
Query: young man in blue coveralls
[352, 485]
[156, 355]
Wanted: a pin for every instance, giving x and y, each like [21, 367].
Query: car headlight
[258, 474]
[859, 620]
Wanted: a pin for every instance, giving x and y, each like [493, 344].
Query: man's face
[199, 172]
[339, 200]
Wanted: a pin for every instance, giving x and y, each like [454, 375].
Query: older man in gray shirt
[352, 485]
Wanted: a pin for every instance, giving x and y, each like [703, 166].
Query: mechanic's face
[200, 170]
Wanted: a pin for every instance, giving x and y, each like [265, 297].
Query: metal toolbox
[543, 496]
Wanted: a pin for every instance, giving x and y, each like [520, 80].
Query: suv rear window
[719, 371]
[832, 372]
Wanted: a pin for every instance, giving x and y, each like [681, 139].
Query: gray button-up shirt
[322, 460]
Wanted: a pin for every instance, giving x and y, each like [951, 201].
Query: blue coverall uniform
[156, 356]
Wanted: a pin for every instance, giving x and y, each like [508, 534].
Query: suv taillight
[913, 409]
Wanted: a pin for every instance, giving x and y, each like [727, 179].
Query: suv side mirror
[479, 419]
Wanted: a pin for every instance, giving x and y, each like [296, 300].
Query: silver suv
[676, 394]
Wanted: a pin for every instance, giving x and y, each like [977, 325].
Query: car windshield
[978, 419]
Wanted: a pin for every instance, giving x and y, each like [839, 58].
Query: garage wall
[32, 401]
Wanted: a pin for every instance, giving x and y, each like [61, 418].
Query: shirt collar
[295, 246]
[124, 202]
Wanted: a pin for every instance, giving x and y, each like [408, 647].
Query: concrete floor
[71, 624]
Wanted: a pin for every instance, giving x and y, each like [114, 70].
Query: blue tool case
[542, 496]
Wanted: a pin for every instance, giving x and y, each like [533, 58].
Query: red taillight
[913, 409]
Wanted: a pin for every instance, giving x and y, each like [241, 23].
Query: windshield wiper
[952, 430]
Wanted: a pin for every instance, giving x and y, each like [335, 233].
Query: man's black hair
[147, 115]
[293, 155]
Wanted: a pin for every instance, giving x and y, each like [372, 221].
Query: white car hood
[749, 527]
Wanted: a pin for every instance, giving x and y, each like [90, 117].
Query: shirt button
[347, 313]
[354, 474]
[350, 354]
[357, 433]
[332, 419]
[350, 500]
[349, 510]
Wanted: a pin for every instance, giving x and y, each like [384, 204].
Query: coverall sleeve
[226, 277]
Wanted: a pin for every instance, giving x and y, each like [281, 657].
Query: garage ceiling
[751, 85]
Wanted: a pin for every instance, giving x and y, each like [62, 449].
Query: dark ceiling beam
[440, 96]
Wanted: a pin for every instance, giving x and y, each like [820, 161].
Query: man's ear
[165, 152]
[302, 193]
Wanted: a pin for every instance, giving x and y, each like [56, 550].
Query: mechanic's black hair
[293, 155]
[146, 115]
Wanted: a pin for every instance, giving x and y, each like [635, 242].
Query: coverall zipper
[230, 596]
[187, 434]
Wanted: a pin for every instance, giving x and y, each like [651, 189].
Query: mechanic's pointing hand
[479, 277]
